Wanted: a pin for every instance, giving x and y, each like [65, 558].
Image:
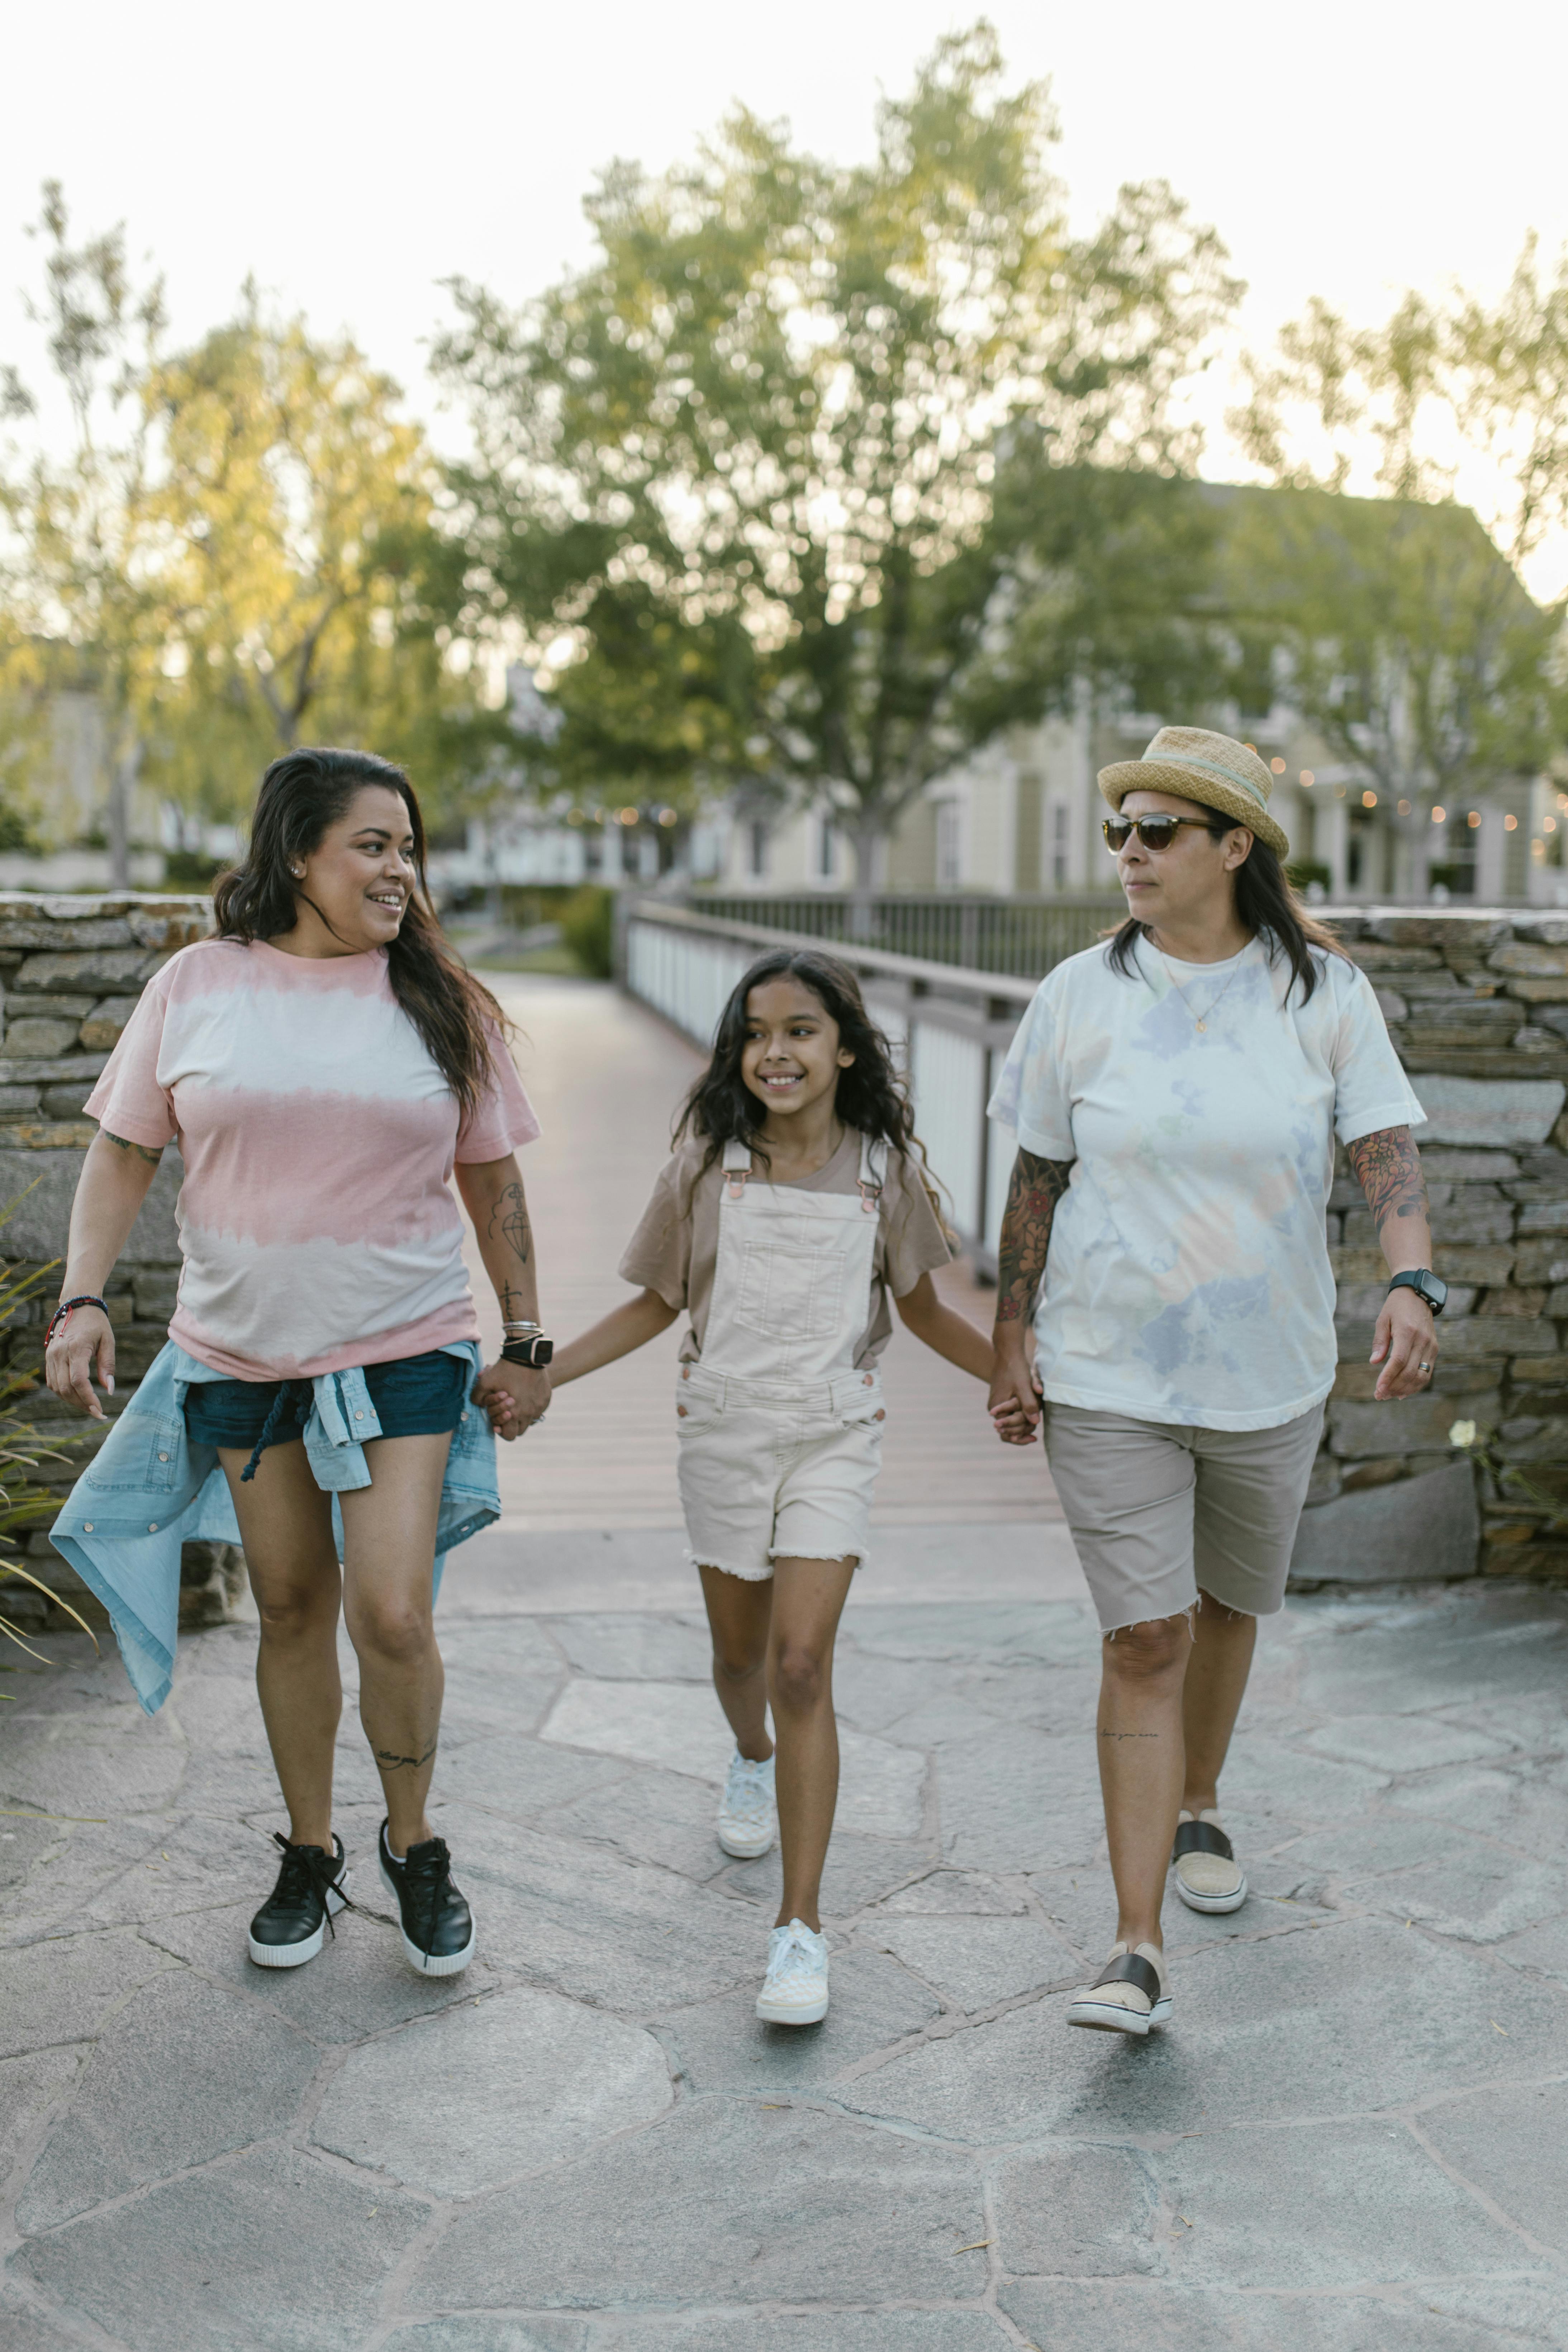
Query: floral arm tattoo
[1032, 1195]
[1387, 1167]
[143, 1150]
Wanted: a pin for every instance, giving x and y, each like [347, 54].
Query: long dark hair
[871, 1095]
[1267, 904]
[301, 795]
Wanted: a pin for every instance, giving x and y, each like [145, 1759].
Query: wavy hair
[301, 795]
[1267, 905]
[871, 1097]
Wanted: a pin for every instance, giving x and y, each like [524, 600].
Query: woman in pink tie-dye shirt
[326, 1067]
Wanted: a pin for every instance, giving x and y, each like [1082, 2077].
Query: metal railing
[1023, 936]
[950, 1027]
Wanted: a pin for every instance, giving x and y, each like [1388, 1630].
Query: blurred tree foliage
[742, 478]
[1405, 633]
[240, 549]
[80, 595]
[297, 511]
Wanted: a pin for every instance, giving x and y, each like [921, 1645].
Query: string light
[1278, 766]
[1510, 825]
[1473, 819]
[1308, 778]
[1403, 808]
[1439, 816]
[1369, 800]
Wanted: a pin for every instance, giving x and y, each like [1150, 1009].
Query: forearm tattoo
[509, 1218]
[1387, 1167]
[141, 1150]
[1036, 1187]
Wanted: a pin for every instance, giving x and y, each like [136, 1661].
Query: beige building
[1022, 817]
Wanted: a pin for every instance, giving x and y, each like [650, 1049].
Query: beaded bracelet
[62, 1314]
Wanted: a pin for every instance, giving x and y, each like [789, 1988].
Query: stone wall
[72, 970]
[1476, 1005]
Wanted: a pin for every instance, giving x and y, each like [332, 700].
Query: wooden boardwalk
[605, 1076]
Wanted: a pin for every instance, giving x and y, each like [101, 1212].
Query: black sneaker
[293, 1922]
[437, 1925]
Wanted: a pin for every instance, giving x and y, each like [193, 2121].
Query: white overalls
[780, 1436]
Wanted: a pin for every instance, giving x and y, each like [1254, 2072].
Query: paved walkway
[1353, 2135]
[607, 1077]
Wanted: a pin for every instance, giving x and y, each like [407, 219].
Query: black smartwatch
[1426, 1284]
[534, 1353]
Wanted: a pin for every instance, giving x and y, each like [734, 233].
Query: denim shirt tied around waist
[149, 1489]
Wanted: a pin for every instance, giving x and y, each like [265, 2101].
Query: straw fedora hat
[1214, 769]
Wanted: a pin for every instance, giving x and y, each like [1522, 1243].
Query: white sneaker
[747, 1823]
[794, 1990]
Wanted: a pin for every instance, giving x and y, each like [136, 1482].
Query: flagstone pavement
[1353, 2134]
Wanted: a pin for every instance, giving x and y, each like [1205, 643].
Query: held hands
[85, 1337]
[513, 1397]
[1014, 1398]
[1406, 1345]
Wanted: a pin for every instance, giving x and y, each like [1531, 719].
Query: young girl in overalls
[792, 1206]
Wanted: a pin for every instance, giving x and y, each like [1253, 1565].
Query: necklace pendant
[1203, 1027]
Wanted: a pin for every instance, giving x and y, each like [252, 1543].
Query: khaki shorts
[772, 1470]
[1162, 1512]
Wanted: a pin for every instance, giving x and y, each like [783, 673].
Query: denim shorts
[414, 1396]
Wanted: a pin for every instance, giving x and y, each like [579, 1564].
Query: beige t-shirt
[674, 1249]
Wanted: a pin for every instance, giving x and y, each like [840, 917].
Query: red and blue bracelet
[62, 1314]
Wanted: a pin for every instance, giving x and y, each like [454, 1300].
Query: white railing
[951, 1028]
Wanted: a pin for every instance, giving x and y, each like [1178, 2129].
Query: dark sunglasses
[1154, 832]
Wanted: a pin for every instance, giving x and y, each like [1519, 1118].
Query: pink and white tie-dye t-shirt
[316, 1223]
[1188, 1276]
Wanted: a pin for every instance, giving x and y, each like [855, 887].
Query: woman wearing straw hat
[1176, 1092]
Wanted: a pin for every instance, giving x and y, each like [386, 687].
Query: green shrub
[192, 869]
[1304, 871]
[588, 929]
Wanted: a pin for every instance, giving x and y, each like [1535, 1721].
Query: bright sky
[353, 156]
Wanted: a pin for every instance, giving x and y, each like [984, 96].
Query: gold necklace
[1200, 1025]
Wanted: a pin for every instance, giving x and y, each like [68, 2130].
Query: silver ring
[1423, 1368]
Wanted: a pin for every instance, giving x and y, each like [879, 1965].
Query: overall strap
[737, 1167]
[873, 1173]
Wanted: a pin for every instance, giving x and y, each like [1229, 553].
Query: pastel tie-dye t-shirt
[317, 1221]
[1188, 1276]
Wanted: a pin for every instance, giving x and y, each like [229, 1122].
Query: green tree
[1407, 634]
[298, 512]
[241, 546]
[1406, 637]
[739, 477]
[83, 557]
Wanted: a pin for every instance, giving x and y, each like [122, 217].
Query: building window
[1058, 846]
[949, 860]
[824, 849]
[757, 848]
[1453, 869]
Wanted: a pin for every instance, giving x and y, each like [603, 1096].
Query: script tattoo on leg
[389, 1762]
[1036, 1187]
[1387, 1167]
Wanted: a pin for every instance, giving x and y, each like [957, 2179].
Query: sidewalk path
[1352, 2138]
[1353, 2135]
[607, 1076]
